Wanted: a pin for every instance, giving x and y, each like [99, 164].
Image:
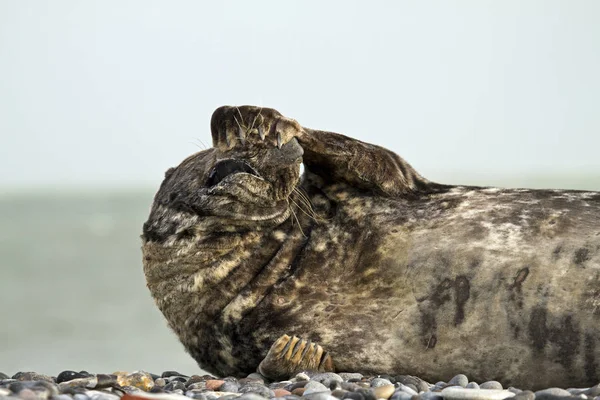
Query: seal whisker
[254, 120]
[297, 220]
[301, 209]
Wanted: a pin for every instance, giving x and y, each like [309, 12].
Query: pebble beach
[172, 385]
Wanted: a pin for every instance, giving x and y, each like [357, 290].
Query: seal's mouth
[227, 167]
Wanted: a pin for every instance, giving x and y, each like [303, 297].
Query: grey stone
[473, 385]
[258, 389]
[419, 384]
[325, 395]
[230, 387]
[594, 391]
[314, 387]
[377, 382]
[429, 396]
[302, 376]
[459, 393]
[491, 385]
[350, 375]
[80, 396]
[406, 389]
[459, 380]
[400, 395]
[524, 395]
[326, 378]
[514, 390]
[551, 393]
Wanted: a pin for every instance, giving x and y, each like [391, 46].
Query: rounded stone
[400, 395]
[550, 393]
[406, 389]
[339, 393]
[3, 376]
[347, 376]
[524, 395]
[251, 396]
[167, 374]
[32, 376]
[314, 387]
[473, 385]
[327, 378]
[65, 376]
[257, 389]
[354, 396]
[420, 384]
[281, 392]
[460, 393]
[214, 384]
[176, 385]
[298, 391]
[491, 385]
[384, 391]
[302, 377]
[459, 380]
[376, 382]
[231, 387]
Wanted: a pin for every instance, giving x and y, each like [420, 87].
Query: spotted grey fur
[389, 272]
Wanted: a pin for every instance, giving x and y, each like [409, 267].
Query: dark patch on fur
[516, 289]
[462, 294]
[590, 358]
[566, 337]
[556, 252]
[538, 331]
[581, 255]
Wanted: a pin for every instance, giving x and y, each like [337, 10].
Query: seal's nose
[290, 153]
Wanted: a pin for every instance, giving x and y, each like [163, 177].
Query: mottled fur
[389, 272]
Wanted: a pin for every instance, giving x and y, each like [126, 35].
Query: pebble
[141, 380]
[281, 392]
[306, 385]
[550, 393]
[384, 391]
[314, 387]
[214, 384]
[327, 378]
[298, 391]
[406, 389]
[524, 395]
[491, 385]
[376, 382]
[32, 376]
[346, 376]
[459, 380]
[403, 396]
[302, 377]
[459, 393]
[231, 387]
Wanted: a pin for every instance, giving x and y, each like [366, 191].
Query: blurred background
[99, 98]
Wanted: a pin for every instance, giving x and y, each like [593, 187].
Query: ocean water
[72, 290]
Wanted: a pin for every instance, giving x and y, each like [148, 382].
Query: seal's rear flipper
[290, 355]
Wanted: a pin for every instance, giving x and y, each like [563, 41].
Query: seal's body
[389, 272]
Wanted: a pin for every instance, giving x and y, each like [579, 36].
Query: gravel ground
[172, 385]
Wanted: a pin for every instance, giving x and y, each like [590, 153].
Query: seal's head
[243, 181]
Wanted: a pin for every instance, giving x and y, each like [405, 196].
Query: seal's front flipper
[290, 355]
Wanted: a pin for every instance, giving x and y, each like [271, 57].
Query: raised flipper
[290, 355]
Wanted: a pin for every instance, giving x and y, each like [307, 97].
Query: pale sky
[115, 92]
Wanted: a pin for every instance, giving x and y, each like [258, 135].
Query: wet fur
[389, 272]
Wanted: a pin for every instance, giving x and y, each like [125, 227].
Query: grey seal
[361, 264]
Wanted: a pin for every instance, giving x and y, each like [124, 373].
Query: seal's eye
[228, 167]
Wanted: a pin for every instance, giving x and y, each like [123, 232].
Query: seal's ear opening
[228, 167]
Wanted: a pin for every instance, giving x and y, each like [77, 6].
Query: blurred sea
[72, 290]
